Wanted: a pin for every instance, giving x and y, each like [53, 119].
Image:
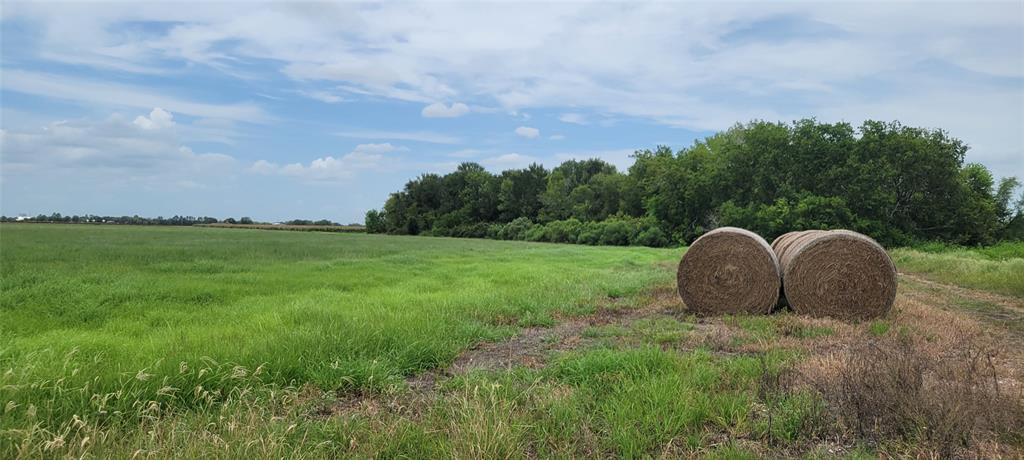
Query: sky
[320, 110]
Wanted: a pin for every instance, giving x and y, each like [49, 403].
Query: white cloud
[439, 110]
[574, 118]
[704, 66]
[330, 169]
[158, 119]
[114, 148]
[414, 136]
[264, 167]
[508, 161]
[527, 132]
[557, 137]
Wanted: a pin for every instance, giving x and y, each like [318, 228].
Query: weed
[878, 328]
[948, 401]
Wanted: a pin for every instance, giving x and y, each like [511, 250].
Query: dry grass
[947, 404]
[931, 383]
[930, 380]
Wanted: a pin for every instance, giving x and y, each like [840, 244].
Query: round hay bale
[729, 270]
[795, 239]
[839, 273]
[787, 238]
[779, 246]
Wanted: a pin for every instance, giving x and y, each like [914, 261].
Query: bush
[375, 222]
[494, 231]
[615, 232]
[653, 237]
[516, 230]
[478, 230]
[590, 233]
[536, 233]
[563, 231]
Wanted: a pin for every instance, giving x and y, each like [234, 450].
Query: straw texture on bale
[838, 273]
[729, 270]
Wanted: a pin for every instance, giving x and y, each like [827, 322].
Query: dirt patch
[532, 346]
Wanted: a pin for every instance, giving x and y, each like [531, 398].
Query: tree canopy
[896, 183]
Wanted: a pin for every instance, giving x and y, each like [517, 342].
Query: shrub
[949, 401]
[590, 233]
[536, 233]
[494, 231]
[477, 230]
[516, 230]
[653, 237]
[375, 221]
[615, 232]
[564, 231]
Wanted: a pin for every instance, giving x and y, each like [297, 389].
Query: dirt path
[1004, 312]
[984, 296]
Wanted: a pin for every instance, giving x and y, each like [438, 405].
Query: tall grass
[998, 268]
[102, 323]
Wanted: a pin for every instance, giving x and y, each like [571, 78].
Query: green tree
[519, 192]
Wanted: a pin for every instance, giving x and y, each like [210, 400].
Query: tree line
[58, 218]
[896, 183]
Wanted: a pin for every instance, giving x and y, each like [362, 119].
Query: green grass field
[185, 342]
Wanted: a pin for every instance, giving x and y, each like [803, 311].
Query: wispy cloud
[106, 94]
[414, 136]
[574, 118]
[527, 132]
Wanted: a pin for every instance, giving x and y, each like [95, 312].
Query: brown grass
[936, 384]
[949, 404]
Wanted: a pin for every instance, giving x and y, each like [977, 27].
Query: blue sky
[319, 110]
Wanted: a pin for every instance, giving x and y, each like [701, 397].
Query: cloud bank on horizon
[319, 110]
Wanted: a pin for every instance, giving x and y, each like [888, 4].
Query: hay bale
[838, 273]
[779, 246]
[729, 270]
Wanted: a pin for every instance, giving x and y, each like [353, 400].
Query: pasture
[121, 341]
